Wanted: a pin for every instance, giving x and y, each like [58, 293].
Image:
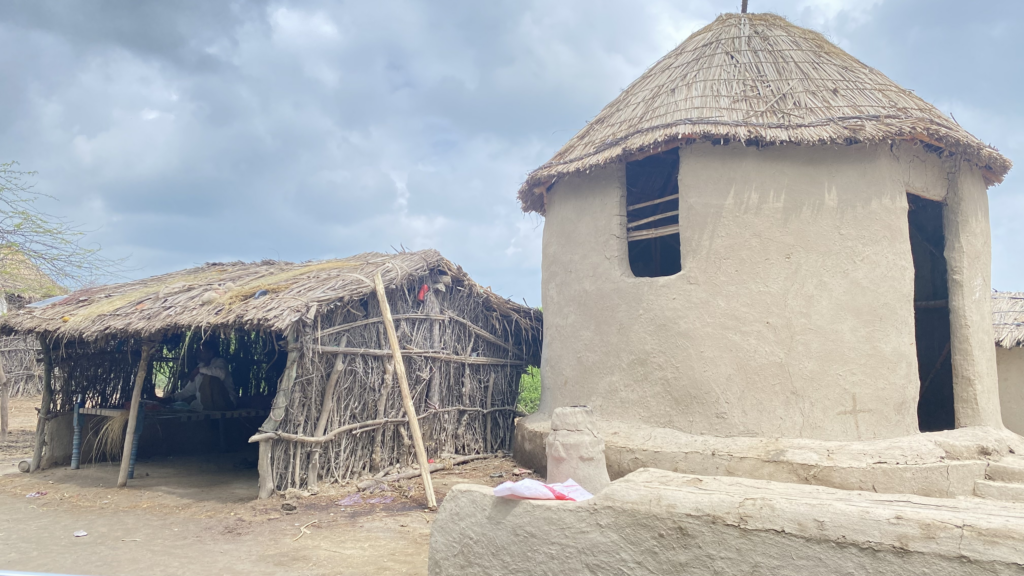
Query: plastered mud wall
[793, 314]
[1011, 387]
[969, 261]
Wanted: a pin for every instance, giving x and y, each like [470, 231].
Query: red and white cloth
[528, 489]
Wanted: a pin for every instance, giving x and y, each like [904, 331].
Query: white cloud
[310, 129]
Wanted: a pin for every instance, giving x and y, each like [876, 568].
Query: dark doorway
[652, 215]
[931, 314]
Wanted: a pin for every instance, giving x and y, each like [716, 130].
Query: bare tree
[32, 241]
[40, 253]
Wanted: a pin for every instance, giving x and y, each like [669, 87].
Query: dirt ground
[198, 515]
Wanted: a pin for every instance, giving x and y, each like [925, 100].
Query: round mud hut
[763, 237]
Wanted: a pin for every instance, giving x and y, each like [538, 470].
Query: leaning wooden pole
[44, 406]
[133, 414]
[403, 384]
[5, 393]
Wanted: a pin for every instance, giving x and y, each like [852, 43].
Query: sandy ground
[21, 437]
[198, 515]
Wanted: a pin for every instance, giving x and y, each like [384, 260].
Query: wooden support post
[487, 415]
[4, 395]
[140, 423]
[277, 413]
[76, 442]
[403, 384]
[44, 406]
[266, 473]
[133, 415]
[312, 475]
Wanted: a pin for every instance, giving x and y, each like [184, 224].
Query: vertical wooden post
[76, 442]
[266, 472]
[313, 473]
[403, 384]
[4, 395]
[277, 413]
[44, 406]
[133, 415]
[488, 415]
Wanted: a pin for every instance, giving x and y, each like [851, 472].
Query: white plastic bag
[529, 489]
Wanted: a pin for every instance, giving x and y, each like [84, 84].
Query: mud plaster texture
[657, 522]
[1011, 387]
[575, 451]
[946, 464]
[793, 314]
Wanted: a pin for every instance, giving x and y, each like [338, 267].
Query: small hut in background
[23, 284]
[306, 344]
[1008, 321]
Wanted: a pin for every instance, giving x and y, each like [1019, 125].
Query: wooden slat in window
[652, 233]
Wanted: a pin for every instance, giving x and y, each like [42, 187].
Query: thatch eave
[220, 297]
[1008, 318]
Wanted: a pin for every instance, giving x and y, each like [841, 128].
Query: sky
[183, 132]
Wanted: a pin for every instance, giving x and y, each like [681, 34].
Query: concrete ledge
[938, 464]
[658, 522]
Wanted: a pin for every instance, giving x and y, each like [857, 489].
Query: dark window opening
[652, 215]
[931, 315]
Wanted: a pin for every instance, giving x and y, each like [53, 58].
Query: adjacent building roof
[267, 295]
[757, 79]
[1008, 318]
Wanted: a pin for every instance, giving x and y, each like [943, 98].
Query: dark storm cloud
[194, 131]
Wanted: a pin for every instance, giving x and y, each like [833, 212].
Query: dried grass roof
[1008, 318]
[756, 78]
[219, 296]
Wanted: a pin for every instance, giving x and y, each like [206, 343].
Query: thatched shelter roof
[1008, 318]
[756, 79]
[267, 295]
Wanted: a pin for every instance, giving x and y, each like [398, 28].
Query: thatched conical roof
[756, 78]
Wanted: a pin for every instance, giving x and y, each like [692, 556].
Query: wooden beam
[133, 414]
[652, 219]
[44, 407]
[472, 327]
[403, 384]
[359, 426]
[422, 354]
[652, 233]
[356, 324]
[653, 202]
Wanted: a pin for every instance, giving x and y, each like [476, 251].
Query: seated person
[210, 383]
